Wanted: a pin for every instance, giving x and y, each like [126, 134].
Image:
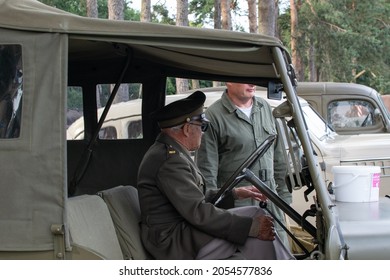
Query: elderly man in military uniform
[178, 222]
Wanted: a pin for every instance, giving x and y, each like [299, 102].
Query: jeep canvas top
[57, 194]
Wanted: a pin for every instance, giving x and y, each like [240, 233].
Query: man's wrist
[255, 227]
[234, 194]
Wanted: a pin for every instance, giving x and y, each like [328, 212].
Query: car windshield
[316, 124]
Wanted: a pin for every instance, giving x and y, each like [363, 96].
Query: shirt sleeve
[280, 172]
[207, 157]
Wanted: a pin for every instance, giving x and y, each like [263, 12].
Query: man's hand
[249, 192]
[267, 230]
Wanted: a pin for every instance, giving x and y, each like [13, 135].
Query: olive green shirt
[230, 140]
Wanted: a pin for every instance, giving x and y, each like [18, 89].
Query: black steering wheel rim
[248, 163]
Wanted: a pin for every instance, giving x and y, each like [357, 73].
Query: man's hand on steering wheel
[249, 192]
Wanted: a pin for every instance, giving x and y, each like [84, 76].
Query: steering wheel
[238, 175]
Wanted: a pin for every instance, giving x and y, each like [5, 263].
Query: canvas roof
[199, 48]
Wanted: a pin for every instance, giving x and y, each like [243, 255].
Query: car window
[108, 132]
[123, 119]
[351, 113]
[11, 90]
[134, 129]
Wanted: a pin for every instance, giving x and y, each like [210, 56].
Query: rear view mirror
[274, 91]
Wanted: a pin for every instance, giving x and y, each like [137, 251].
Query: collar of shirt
[229, 105]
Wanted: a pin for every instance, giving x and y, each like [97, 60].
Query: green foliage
[171, 86]
[203, 12]
[79, 7]
[134, 91]
[133, 15]
[203, 84]
[73, 6]
[75, 98]
[160, 14]
[102, 9]
[351, 39]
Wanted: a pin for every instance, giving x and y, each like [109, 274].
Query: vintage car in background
[123, 121]
[349, 108]
[76, 199]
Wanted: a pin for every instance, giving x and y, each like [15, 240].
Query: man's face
[241, 91]
[195, 135]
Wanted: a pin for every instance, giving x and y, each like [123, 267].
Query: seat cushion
[123, 204]
[91, 227]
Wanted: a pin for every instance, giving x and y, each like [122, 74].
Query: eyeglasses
[203, 125]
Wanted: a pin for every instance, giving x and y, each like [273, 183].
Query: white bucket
[356, 183]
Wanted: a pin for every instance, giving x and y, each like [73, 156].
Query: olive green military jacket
[232, 137]
[176, 219]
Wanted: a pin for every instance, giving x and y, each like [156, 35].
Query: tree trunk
[295, 54]
[195, 84]
[226, 16]
[146, 15]
[182, 20]
[252, 16]
[217, 14]
[267, 17]
[276, 14]
[92, 12]
[92, 8]
[116, 9]
[313, 77]
[217, 25]
[116, 12]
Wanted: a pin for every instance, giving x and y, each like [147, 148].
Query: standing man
[177, 220]
[240, 122]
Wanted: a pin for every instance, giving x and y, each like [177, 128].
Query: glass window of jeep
[11, 90]
[123, 119]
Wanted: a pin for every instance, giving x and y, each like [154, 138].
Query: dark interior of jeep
[96, 165]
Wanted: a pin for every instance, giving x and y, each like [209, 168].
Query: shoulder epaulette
[171, 151]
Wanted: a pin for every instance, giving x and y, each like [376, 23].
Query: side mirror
[274, 91]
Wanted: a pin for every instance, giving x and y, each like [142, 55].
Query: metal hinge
[59, 241]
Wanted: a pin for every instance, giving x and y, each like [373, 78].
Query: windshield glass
[317, 126]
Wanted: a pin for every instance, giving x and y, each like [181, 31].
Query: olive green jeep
[76, 199]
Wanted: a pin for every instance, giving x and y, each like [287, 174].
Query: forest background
[329, 40]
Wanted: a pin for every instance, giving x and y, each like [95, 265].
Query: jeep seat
[91, 227]
[123, 204]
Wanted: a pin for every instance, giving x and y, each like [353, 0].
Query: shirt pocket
[269, 129]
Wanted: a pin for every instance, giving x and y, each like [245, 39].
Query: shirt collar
[229, 105]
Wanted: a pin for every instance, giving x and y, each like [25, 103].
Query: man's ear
[186, 129]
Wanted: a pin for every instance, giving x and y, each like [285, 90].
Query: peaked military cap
[182, 111]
